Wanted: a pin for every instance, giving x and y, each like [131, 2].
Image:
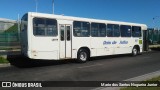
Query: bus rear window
[44, 27]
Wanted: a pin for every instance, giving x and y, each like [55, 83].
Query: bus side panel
[126, 44]
[114, 46]
[44, 48]
[101, 46]
[97, 47]
[77, 43]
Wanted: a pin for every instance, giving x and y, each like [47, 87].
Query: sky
[136, 11]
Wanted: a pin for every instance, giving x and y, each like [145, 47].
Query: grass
[141, 88]
[144, 88]
[155, 79]
[3, 60]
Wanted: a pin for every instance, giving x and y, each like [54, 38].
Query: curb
[139, 78]
[5, 65]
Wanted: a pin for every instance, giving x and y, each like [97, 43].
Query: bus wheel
[83, 56]
[134, 51]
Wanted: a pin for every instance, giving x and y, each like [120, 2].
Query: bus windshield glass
[24, 22]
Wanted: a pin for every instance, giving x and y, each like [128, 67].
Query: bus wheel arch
[135, 50]
[83, 54]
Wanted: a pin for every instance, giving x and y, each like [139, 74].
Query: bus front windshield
[24, 23]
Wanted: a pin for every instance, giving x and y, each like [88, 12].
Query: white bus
[57, 37]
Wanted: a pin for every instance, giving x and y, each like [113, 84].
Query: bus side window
[116, 32]
[81, 29]
[125, 31]
[51, 26]
[113, 30]
[94, 30]
[98, 30]
[44, 27]
[110, 30]
[102, 30]
[136, 31]
[39, 26]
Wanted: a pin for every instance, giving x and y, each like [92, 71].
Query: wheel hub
[83, 56]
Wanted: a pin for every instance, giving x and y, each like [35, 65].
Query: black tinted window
[24, 22]
[68, 33]
[44, 27]
[136, 31]
[125, 31]
[113, 30]
[81, 29]
[98, 30]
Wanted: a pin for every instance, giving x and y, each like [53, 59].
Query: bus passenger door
[65, 41]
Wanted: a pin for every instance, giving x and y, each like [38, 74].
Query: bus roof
[62, 17]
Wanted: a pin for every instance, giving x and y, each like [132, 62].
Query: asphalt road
[110, 68]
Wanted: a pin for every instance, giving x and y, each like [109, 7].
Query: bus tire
[82, 56]
[134, 51]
